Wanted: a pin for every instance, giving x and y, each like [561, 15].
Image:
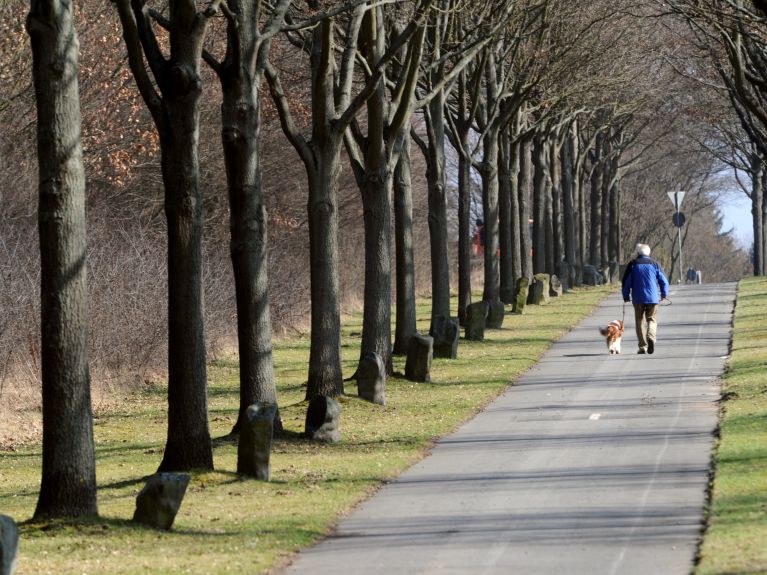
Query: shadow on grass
[89, 526]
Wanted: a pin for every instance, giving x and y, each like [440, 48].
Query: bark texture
[68, 486]
[171, 88]
[403, 230]
[241, 128]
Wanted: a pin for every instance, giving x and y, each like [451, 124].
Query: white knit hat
[643, 250]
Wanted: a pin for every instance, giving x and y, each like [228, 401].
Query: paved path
[591, 464]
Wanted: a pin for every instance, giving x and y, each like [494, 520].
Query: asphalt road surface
[591, 464]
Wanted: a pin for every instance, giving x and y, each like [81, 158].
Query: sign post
[676, 198]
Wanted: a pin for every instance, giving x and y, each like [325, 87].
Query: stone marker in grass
[523, 287]
[592, 276]
[475, 321]
[255, 441]
[556, 287]
[371, 378]
[420, 351]
[495, 313]
[566, 275]
[9, 545]
[445, 334]
[615, 272]
[539, 290]
[160, 499]
[322, 420]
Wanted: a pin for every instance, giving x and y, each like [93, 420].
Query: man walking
[647, 285]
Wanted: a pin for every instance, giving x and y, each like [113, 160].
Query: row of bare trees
[543, 109]
[729, 57]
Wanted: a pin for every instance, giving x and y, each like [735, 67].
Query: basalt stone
[555, 287]
[523, 288]
[545, 279]
[577, 276]
[445, 334]
[255, 442]
[159, 501]
[615, 272]
[495, 314]
[566, 275]
[323, 419]
[420, 351]
[9, 545]
[475, 321]
[371, 378]
[539, 290]
[591, 276]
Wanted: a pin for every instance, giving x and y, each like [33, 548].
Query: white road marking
[595, 416]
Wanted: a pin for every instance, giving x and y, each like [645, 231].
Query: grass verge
[735, 541]
[230, 525]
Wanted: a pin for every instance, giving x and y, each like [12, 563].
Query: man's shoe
[650, 345]
[641, 351]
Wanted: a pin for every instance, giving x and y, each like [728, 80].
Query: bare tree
[68, 487]
[334, 105]
[171, 87]
[375, 154]
[241, 72]
[732, 34]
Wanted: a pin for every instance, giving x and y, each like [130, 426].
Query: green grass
[736, 538]
[230, 525]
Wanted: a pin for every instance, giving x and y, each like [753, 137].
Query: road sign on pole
[676, 198]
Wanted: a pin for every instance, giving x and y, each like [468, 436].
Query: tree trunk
[68, 486]
[539, 203]
[188, 444]
[241, 127]
[579, 199]
[464, 230]
[325, 375]
[376, 202]
[320, 156]
[557, 246]
[614, 221]
[757, 200]
[525, 173]
[568, 204]
[403, 230]
[763, 237]
[595, 230]
[491, 290]
[463, 123]
[549, 268]
[175, 110]
[440, 273]
[515, 222]
[607, 183]
[376, 320]
[506, 183]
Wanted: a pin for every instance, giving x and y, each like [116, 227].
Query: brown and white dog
[613, 333]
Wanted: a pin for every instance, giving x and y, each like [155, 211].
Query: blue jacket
[645, 281]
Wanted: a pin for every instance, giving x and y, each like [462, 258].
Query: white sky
[736, 210]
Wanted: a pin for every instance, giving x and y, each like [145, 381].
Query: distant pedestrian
[698, 277]
[691, 275]
[645, 285]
